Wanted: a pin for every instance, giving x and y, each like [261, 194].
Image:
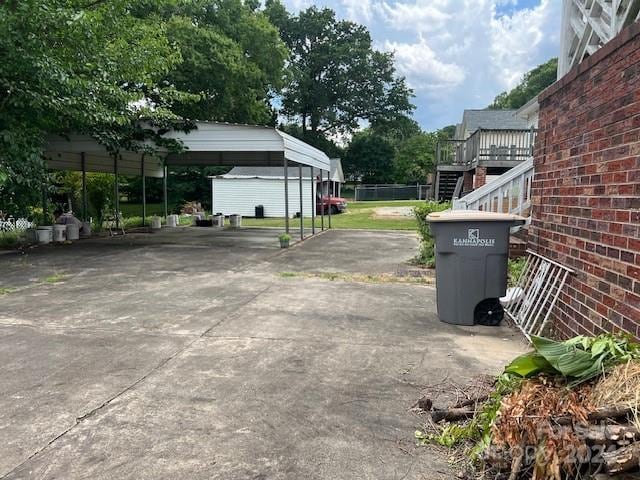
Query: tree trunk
[315, 123]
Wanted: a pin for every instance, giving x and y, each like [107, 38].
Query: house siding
[241, 195]
[586, 189]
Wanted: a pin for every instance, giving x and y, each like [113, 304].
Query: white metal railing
[509, 193]
[530, 303]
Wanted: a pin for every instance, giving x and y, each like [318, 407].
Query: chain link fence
[365, 193]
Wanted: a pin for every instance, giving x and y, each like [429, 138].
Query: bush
[11, 239]
[516, 266]
[427, 245]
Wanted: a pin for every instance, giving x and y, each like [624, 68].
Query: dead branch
[471, 401]
[451, 415]
[607, 434]
[622, 460]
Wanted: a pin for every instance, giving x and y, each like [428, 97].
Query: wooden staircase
[446, 182]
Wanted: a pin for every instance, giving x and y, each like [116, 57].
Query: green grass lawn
[359, 215]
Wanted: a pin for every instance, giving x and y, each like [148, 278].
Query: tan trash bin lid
[473, 216]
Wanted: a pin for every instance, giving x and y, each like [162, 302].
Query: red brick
[586, 189]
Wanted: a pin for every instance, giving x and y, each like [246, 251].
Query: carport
[209, 144]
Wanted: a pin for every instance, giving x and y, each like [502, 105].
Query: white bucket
[156, 224]
[86, 229]
[59, 233]
[172, 220]
[235, 220]
[218, 221]
[44, 234]
[73, 232]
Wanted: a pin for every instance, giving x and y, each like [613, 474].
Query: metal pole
[85, 209]
[144, 194]
[329, 199]
[301, 208]
[321, 202]
[286, 196]
[117, 188]
[164, 190]
[313, 204]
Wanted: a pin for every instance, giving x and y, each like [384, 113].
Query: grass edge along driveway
[359, 215]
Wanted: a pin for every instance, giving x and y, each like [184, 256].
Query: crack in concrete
[130, 387]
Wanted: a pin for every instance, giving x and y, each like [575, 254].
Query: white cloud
[460, 54]
[424, 71]
[515, 40]
[358, 10]
[419, 16]
[456, 54]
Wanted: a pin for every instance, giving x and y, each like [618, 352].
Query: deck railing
[486, 146]
[509, 193]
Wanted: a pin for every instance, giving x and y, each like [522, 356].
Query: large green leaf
[529, 364]
[569, 360]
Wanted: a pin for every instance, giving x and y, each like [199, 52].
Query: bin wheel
[489, 312]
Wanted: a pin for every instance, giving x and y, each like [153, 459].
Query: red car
[337, 205]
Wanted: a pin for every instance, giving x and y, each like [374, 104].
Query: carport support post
[301, 209]
[286, 196]
[329, 199]
[144, 193]
[83, 162]
[321, 202]
[313, 204]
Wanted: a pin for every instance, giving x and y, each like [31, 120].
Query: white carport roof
[210, 143]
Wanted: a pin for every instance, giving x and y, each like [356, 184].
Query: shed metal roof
[269, 173]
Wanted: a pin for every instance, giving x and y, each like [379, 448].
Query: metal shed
[244, 188]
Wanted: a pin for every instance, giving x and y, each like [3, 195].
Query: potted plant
[284, 238]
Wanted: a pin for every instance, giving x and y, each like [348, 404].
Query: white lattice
[12, 224]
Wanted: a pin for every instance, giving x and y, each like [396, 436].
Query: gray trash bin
[472, 251]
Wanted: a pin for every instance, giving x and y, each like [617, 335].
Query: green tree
[369, 158]
[447, 132]
[327, 145]
[232, 58]
[396, 130]
[335, 79]
[533, 82]
[415, 158]
[70, 65]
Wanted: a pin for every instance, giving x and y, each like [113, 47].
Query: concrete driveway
[186, 354]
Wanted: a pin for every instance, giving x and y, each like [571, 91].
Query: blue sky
[456, 54]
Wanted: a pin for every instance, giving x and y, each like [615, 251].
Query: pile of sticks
[610, 439]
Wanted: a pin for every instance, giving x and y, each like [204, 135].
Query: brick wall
[586, 190]
[467, 183]
[480, 177]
